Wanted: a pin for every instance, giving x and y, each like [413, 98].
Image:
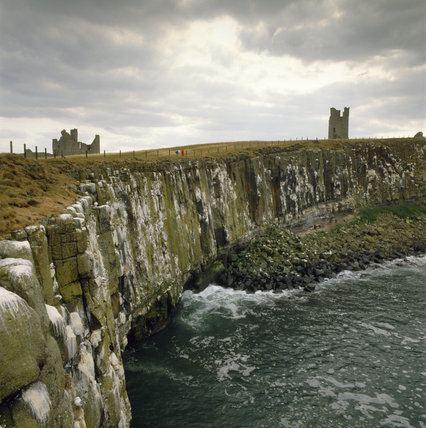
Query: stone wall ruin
[68, 144]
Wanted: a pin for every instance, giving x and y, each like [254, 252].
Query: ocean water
[351, 354]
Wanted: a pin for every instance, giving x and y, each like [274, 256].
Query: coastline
[278, 258]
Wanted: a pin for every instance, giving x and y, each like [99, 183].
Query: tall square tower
[338, 126]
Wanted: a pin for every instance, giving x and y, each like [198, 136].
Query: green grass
[402, 209]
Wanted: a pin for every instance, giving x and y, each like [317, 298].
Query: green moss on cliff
[404, 209]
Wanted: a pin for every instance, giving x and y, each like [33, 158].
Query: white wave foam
[226, 302]
[236, 363]
[214, 292]
[376, 270]
[407, 339]
[383, 399]
[396, 421]
[366, 404]
[236, 304]
[385, 325]
[417, 260]
[160, 370]
[375, 329]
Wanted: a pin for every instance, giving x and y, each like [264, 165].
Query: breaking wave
[349, 354]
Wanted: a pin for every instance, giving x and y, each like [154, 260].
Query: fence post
[11, 147]
[25, 151]
[45, 153]
[86, 153]
[36, 153]
[104, 153]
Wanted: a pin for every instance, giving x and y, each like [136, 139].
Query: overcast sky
[166, 72]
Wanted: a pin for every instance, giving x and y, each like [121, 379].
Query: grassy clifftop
[31, 190]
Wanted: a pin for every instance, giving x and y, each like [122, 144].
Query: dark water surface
[353, 353]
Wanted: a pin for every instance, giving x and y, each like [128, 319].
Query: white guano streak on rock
[38, 400]
[56, 320]
[17, 267]
[99, 270]
[12, 303]
[70, 342]
[76, 324]
[10, 249]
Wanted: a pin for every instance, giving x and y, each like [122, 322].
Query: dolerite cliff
[73, 287]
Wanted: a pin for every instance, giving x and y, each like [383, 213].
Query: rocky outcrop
[72, 288]
[279, 259]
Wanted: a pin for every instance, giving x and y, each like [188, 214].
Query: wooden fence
[196, 151]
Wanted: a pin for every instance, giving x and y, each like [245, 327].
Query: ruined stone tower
[338, 126]
[68, 144]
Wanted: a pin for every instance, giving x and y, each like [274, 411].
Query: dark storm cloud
[344, 30]
[312, 30]
[309, 29]
[103, 63]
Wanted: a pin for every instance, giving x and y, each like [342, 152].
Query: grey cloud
[58, 61]
[374, 104]
[360, 30]
[320, 29]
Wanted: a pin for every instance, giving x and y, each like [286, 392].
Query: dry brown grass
[214, 150]
[31, 190]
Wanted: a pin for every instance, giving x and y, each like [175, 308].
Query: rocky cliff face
[72, 288]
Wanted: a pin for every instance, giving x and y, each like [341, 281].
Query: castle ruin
[338, 125]
[68, 144]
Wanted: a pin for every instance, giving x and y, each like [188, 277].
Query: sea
[350, 354]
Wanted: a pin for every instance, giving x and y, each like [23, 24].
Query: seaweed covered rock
[278, 259]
